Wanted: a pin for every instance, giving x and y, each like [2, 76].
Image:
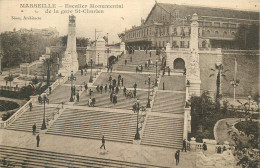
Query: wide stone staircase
[118, 127]
[129, 79]
[173, 82]
[31, 158]
[103, 100]
[138, 58]
[26, 121]
[169, 102]
[163, 132]
[60, 94]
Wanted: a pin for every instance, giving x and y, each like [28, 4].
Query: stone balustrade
[17, 114]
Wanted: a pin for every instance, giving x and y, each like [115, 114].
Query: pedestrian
[110, 87]
[145, 65]
[118, 82]
[110, 79]
[101, 88]
[93, 101]
[125, 61]
[30, 105]
[150, 54]
[115, 99]
[163, 88]
[40, 99]
[114, 82]
[141, 68]
[135, 85]
[131, 59]
[117, 90]
[111, 69]
[90, 92]
[124, 90]
[145, 51]
[97, 88]
[163, 72]
[81, 72]
[105, 88]
[184, 72]
[86, 87]
[119, 77]
[90, 102]
[34, 128]
[169, 71]
[111, 97]
[136, 69]
[134, 93]
[177, 157]
[103, 142]
[38, 140]
[122, 81]
[184, 145]
[204, 147]
[77, 97]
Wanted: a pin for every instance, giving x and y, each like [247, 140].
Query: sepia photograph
[129, 83]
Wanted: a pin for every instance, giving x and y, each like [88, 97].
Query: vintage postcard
[129, 83]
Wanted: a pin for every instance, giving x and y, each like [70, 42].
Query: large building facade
[171, 23]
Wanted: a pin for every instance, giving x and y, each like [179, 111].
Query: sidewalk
[87, 147]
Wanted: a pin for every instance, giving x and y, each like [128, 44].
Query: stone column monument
[70, 60]
[193, 70]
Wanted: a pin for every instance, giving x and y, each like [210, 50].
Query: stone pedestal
[193, 144]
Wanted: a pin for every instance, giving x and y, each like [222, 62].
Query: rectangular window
[182, 44]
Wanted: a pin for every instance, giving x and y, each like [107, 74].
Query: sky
[112, 21]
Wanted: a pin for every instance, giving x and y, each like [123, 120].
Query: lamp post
[107, 38]
[234, 83]
[156, 82]
[71, 78]
[91, 77]
[137, 135]
[45, 99]
[149, 82]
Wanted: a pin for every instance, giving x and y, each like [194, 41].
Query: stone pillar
[186, 122]
[193, 69]
[101, 56]
[193, 144]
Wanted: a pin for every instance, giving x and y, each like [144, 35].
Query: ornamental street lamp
[91, 77]
[45, 99]
[72, 78]
[156, 82]
[137, 135]
[234, 83]
[149, 82]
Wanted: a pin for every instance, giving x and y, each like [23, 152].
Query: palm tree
[220, 73]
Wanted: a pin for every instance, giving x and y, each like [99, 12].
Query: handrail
[16, 115]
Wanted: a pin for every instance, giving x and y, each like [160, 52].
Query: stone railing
[55, 84]
[17, 114]
[212, 146]
[8, 88]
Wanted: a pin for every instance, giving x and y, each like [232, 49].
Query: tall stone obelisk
[193, 72]
[70, 60]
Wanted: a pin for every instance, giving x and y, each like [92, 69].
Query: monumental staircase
[163, 132]
[103, 100]
[32, 158]
[119, 127]
[28, 118]
[138, 58]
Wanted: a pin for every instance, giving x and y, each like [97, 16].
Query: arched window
[216, 32]
[208, 31]
[224, 33]
[233, 33]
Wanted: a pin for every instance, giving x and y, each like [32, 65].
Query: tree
[220, 73]
[9, 78]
